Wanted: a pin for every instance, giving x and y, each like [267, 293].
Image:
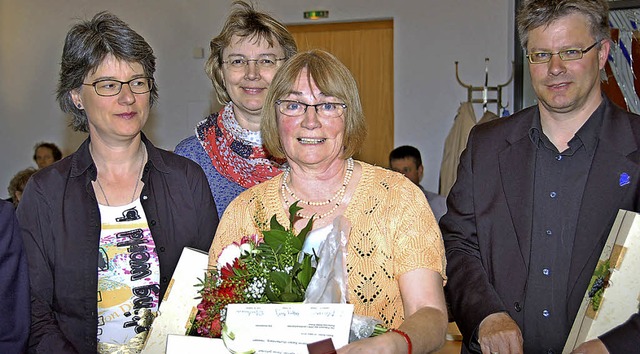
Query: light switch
[198, 53]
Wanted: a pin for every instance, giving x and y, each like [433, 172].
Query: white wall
[429, 36]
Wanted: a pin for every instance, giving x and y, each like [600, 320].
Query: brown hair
[245, 22]
[334, 79]
[55, 150]
[18, 182]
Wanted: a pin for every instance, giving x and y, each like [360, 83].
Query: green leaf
[289, 297]
[275, 225]
[275, 238]
[280, 280]
[303, 234]
[293, 213]
[306, 271]
[270, 294]
[295, 243]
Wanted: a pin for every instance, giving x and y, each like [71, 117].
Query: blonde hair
[247, 23]
[332, 78]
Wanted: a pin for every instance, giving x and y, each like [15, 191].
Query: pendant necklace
[133, 196]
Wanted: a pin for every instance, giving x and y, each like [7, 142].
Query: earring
[79, 105]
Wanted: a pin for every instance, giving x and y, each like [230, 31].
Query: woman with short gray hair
[108, 222]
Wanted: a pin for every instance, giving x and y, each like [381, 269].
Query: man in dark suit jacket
[537, 194]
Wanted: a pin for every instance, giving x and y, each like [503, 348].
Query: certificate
[177, 344]
[285, 328]
[614, 290]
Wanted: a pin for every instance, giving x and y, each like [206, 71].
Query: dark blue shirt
[559, 182]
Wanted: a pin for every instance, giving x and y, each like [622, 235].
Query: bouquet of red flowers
[263, 268]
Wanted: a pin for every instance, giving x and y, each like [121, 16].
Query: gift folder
[614, 290]
[178, 306]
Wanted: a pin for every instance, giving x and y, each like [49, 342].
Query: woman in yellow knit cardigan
[395, 256]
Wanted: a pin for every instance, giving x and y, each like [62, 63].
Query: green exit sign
[314, 15]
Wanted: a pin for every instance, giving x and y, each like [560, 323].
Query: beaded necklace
[336, 198]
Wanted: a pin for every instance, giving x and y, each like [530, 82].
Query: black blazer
[487, 230]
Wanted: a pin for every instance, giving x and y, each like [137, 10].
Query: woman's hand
[388, 343]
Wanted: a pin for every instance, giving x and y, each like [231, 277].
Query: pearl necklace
[337, 197]
[133, 197]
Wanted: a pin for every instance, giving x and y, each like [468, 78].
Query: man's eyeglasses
[264, 62]
[324, 109]
[107, 88]
[565, 55]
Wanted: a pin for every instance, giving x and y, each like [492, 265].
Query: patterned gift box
[613, 294]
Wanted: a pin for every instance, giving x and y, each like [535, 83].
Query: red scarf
[237, 160]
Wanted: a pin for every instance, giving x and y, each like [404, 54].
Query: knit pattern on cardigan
[393, 231]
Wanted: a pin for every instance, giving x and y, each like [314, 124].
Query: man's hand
[498, 333]
[594, 346]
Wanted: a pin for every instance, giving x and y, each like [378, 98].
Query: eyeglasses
[324, 109]
[238, 63]
[565, 55]
[107, 88]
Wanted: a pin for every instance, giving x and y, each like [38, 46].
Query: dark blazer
[487, 230]
[60, 221]
[14, 284]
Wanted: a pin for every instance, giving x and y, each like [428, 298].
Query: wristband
[406, 338]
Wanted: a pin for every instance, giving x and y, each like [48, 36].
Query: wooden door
[366, 48]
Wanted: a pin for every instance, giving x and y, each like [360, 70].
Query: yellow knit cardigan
[393, 231]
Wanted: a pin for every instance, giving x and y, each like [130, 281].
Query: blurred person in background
[407, 160]
[45, 154]
[17, 184]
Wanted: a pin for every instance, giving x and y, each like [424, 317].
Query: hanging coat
[454, 145]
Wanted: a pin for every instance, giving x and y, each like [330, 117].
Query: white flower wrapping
[329, 283]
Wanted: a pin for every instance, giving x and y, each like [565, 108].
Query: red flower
[216, 327]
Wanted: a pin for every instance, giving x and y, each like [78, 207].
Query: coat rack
[485, 89]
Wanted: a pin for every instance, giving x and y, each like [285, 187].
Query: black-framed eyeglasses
[325, 109]
[264, 62]
[565, 55]
[109, 87]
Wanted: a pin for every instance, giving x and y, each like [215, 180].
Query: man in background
[537, 193]
[407, 160]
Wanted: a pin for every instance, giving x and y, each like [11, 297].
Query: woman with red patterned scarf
[227, 145]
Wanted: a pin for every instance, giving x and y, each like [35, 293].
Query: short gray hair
[536, 13]
[86, 46]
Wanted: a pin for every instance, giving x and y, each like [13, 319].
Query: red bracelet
[406, 338]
